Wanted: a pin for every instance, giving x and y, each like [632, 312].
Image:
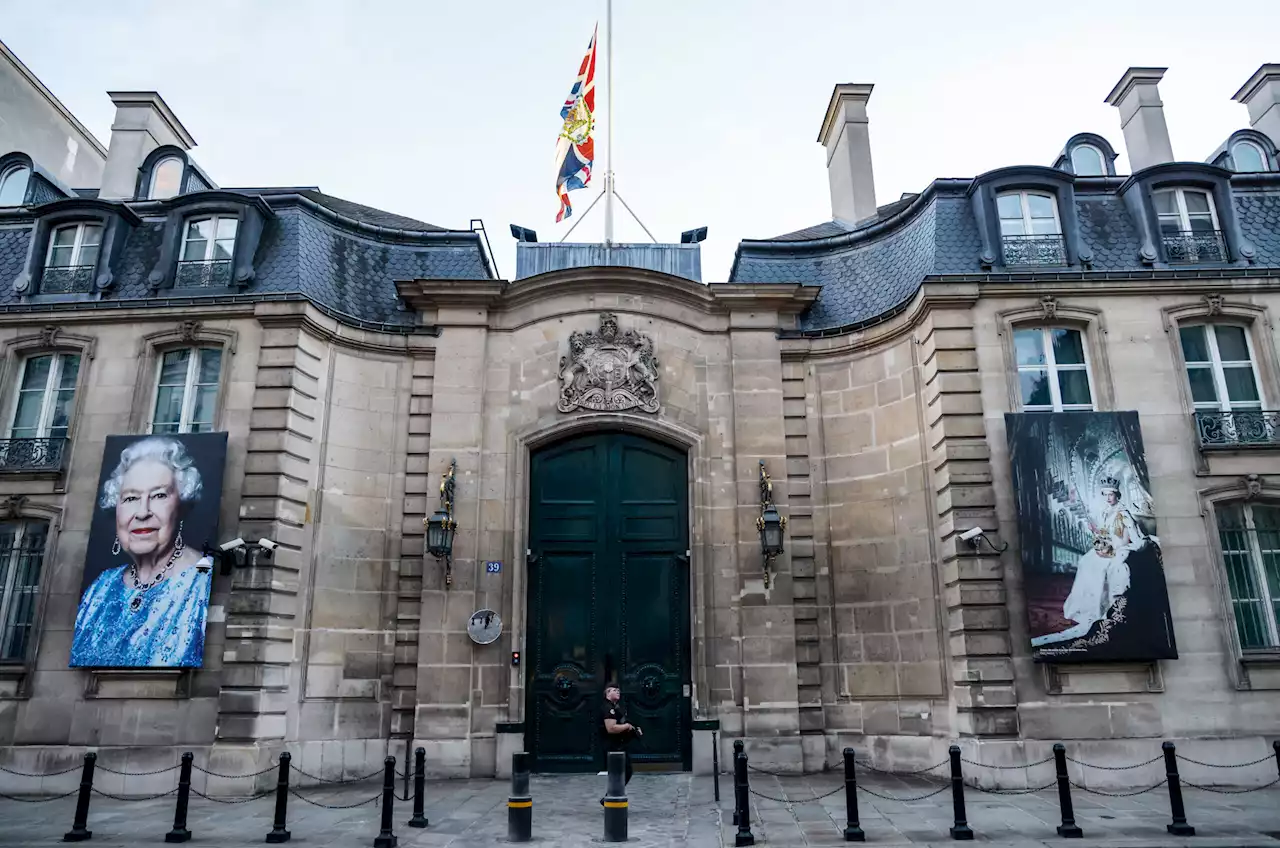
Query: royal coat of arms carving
[609, 370]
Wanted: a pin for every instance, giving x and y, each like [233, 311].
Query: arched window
[1086, 161]
[166, 178]
[1248, 157]
[13, 185]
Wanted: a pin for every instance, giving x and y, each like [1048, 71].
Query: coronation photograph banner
[145, 596]
[1092, 567]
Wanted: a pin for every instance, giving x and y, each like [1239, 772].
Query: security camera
[232, 545]
[971, 534]
[267, 544]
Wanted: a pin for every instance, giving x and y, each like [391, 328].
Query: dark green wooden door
[608, 599]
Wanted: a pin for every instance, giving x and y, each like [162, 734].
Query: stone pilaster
[974, 598]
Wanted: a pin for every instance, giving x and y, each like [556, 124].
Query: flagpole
[608, 154]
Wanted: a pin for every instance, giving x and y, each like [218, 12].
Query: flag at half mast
[575, 148]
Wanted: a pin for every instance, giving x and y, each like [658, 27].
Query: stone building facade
[866, 364]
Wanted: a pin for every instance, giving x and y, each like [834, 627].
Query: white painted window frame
[1102, 160]
[155, 173]
[1051, 365]
[1259, 576]
[1244, 142]
[10, 171]
[211, 243]
[188, 387]
[1223, 403]
[77, 246]
[1184, 218]
[49, 398]
[1022, 195]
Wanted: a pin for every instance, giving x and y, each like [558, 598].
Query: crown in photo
[1109, 484]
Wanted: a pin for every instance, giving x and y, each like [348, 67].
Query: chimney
[847, 139]
[143, 123]
[1146, 136]
[1261, 96]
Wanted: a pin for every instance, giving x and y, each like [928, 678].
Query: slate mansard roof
[870, 270]
[341, 256]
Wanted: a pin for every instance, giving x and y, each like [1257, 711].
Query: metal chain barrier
[76, 767]
[300, 797]
[938, 791]
[39, 800]
[1267, 758]
[1047, 759]
[792, 801]
[339, 782]
[243, 800]
[866, 765]
[1230, 791]
[1028, 791]
[97, 791]
[1115, 768]
[1118, 794]
[139, 773]
[211, 773]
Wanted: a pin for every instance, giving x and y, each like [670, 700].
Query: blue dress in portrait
[165, 631]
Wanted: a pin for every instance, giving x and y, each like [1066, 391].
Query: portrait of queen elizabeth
[148, 606]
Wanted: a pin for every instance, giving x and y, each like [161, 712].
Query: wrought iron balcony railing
[203, 275]
[1239, 428]
[1033, 250]
[67, 279]
[1190, 246]
[18, 455]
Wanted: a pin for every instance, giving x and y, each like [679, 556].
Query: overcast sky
[449, 111]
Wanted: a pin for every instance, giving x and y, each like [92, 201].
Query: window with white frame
[74, 245]
[46, 397]
[1087, 161]
[1028, 213]
[13, 185]
[1053, 369]
[1220, 367]
[1185, 210]
[1248, 157]
[22, 546]
[187, 390]
[166, 178]
[210, 239]
[1250, 536]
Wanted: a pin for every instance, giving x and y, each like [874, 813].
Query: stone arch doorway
[608, 599]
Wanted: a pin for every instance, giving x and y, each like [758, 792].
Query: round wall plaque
[484, 627]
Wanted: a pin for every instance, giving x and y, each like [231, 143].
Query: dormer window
[1189, 226]
[13, 185]
[1086, 161]
[1030, 232]
[208, 246]
[166, 178]
[72, 259]
[1248, 157]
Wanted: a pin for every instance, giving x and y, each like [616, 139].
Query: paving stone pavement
[670, 810]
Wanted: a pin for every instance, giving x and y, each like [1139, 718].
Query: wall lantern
[441, 525]
[770, 524]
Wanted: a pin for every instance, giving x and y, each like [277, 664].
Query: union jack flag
[575, 148]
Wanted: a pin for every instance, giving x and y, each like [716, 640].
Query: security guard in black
[613, 720]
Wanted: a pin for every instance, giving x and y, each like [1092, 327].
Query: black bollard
[742, 798]
[1275, 746]
[180, 832]
[1179, 826]
[520, 804]
[419, 787]
[961, 829]
[615, 798]
[715, 762]
[386, 837]
[278, 832]
[78, 832]
[1068, 829]
[737, 751]
[853, 829]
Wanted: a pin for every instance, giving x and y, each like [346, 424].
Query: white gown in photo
[1100, 580]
